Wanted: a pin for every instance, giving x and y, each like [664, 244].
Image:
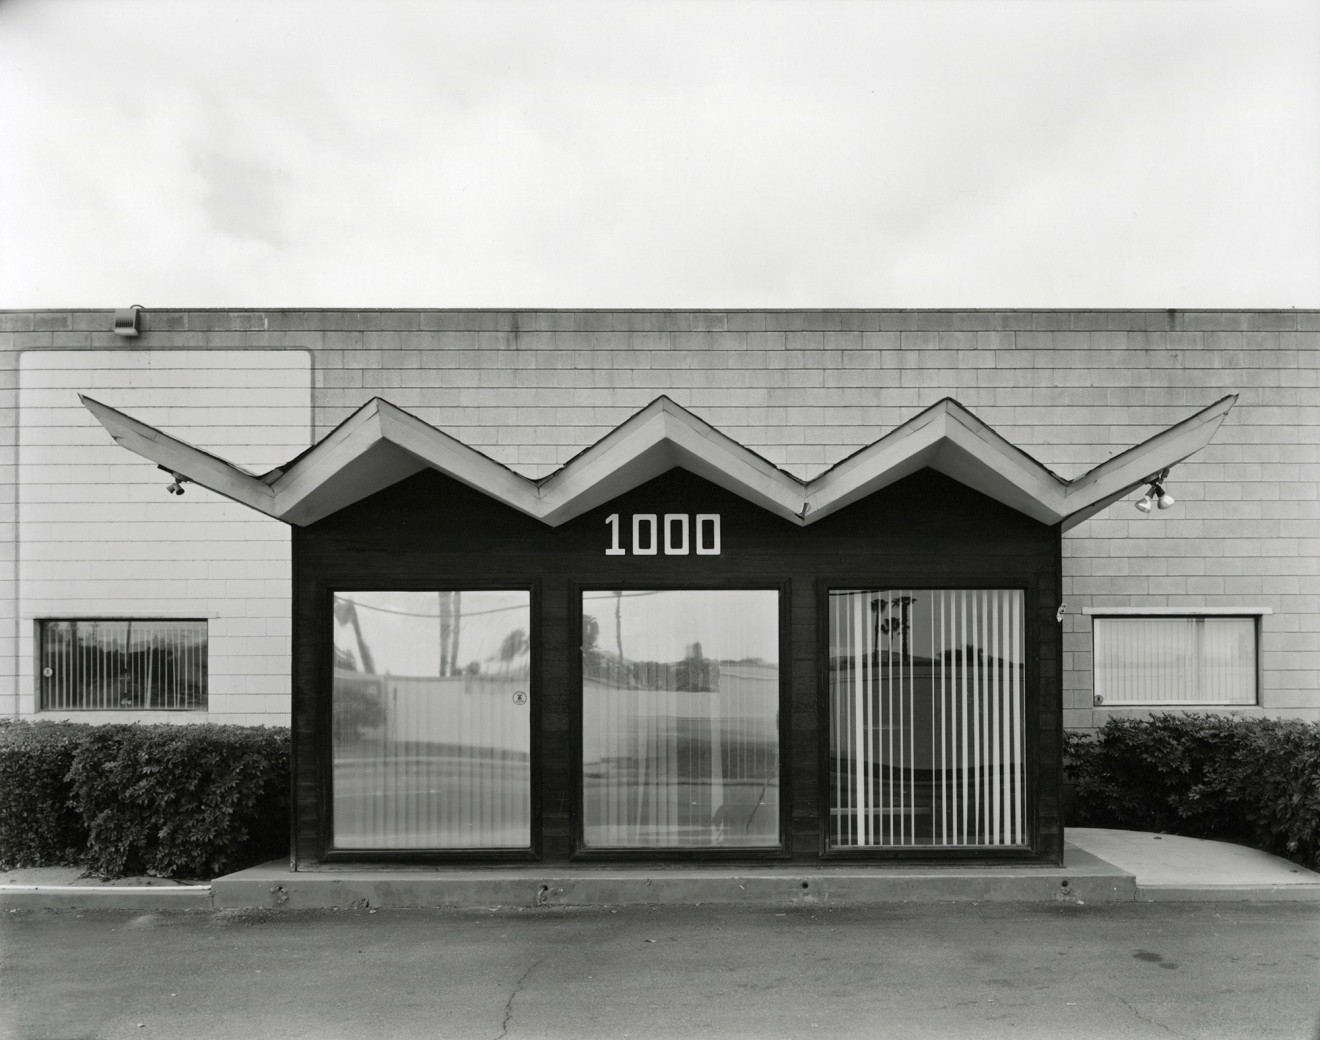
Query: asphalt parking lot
[1129, 970]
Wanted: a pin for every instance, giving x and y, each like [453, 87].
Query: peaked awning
[381, 444]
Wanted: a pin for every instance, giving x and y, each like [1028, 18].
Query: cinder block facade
[90, 530]
[92, 541]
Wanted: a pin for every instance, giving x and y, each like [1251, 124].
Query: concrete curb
[1300, 893]
[1085, 878]
[105, 897]
[358, 893]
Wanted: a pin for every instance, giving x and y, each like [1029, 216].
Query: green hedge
[38, 826]
[1252, 780]
[171, 801]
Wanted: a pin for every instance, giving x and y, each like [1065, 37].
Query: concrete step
[1083, 878]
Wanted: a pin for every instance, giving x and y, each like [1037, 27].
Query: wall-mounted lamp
[176, 486]
[126, 321]
[1156, 495]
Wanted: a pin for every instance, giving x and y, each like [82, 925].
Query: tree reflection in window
[431, 734]
[681, 735]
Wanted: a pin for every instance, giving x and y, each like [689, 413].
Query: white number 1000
[649, 532]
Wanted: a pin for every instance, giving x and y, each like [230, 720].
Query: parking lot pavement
[1024, 971]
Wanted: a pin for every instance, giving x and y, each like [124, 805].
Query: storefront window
[926, 717]
[680, 718]
[431, 720]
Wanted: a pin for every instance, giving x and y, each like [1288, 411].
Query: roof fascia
[380, 444]
[438, 450]
[345, 467]
[982, 459]
[313, 467]
[399, 444]
[178, 456]
[653, 440]
[1101, 487]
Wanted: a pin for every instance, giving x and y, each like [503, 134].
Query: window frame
[38, 649]
[934, 850]
[324, 727]
[580, 851]
[1031, 711]
[1253, 614]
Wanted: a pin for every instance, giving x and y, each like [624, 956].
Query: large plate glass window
[680, 718]
[431, 722]
[926, 691]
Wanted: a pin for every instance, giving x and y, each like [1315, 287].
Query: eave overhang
[381, 444]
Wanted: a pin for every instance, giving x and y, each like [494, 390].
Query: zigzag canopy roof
[381, 444]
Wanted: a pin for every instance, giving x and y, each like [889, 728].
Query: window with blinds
[926, 696]
[122, 664]
[1174, 660]
[431, 710]
[680, 718]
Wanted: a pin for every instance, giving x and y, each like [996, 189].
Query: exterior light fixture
[126, 321]
[175, 487]
[1155, 495]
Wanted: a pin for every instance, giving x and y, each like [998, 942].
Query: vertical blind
[118, 665]
[680, 723]
[1175, 660]
[926, 717]
[431, 720]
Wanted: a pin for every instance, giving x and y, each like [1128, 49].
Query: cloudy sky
[893, 153]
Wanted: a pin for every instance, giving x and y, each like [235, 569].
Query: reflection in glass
[926, 716]
[680, 718]
[431, 731]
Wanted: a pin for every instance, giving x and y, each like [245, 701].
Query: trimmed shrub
[1252, 780]
[1278, 776]
[191, 801]
[38, 826]
[171, 801]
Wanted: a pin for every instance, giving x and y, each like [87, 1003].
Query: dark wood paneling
[430, 531]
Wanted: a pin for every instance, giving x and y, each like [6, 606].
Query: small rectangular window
[126, 664]
[1174, 660]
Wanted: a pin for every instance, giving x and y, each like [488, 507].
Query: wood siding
[927, 531]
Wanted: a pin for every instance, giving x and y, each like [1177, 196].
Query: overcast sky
[897, 153]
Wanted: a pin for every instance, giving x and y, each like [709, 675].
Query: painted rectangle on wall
[99, 537]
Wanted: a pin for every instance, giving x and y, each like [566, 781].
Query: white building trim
[381, 444]
[1178, 611]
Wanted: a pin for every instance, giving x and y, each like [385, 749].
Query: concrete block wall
[98, 537]
[807, 388]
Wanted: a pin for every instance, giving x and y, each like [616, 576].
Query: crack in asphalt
[508, 1004]
[1137, 1014]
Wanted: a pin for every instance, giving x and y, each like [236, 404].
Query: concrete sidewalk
[1171, 867]
[1099, 866]
[66, 888]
